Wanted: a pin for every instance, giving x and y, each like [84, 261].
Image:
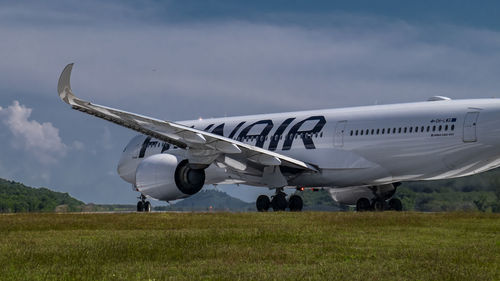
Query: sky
[181, 60]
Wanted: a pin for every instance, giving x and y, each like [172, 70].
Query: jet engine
[167, 177]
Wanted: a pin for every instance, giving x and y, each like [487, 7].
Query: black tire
[140, 206]
[263, 203]
[395, 204]
[295, 203]
[147, 207]
[379, 205]
[279, 202]
[363, 205]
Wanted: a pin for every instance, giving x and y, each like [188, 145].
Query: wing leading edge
[202, 147]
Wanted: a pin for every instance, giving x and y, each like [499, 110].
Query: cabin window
[361, 133]
[393, 130]
[367, 132]
[378, 131]
[399, 130]
[383, 131]
[428, 128]
[411, 129]
[440, 128]
[433, 128]
[405, 130]
[452, 127]
[373, 131]
[351, 132]
[446, 128]
[356, 132]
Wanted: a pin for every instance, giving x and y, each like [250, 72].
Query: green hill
[209, 200]
[480, 192]
[16, 197]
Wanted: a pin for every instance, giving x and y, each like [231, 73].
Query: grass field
[250, 246]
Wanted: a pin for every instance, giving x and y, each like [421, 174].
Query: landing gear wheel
[395, 204]
[140, 206]
[279, 202]
[147, 207]
[263, 203]
[363, 205]
[379, 205]
[295, 203]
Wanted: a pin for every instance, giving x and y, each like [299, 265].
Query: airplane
[360, 155]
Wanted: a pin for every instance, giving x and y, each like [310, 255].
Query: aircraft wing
[202, 147]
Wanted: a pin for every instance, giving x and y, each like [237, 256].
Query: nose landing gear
[143, 205]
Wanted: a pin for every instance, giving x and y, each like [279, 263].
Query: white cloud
[78, 145]
[106, 139]
[40, 139]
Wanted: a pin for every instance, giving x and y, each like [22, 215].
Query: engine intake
[187, 179]
[166, 177]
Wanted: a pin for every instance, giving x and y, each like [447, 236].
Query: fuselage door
[339, 133]
[470, 124]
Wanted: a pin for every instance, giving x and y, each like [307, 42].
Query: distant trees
[16, 197]
[480, 192]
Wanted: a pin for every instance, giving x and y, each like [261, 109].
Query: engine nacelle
[167, 177]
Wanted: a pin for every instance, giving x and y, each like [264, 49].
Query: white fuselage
[359, 146]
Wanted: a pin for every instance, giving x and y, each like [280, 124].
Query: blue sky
[182, 60]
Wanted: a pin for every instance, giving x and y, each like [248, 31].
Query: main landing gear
[279, 202]
[378, 204]
[143, 205]
[381, 200]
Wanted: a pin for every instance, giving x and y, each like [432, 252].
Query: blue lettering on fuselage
[261, 137]
[267, 126]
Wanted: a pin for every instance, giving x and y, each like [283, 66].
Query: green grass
[250, 246]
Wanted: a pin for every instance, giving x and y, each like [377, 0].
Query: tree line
[16, 197]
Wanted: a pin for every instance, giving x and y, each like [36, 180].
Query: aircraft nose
[129, 161]
[126, 168]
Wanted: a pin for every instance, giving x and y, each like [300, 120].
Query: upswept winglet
[64, 86]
